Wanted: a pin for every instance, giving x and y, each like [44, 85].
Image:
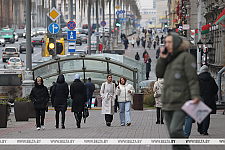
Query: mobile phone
[165, 51]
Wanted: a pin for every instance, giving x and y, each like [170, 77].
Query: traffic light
[117, 23]
[51, 46]
[165, 25]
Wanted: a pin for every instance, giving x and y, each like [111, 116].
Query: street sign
[53, 28]
[72, 46]
[150, 22]
[135, 19]
[71, 25]
[128, 14]
[71, 35]
[118, 13]
[117, 7]
[97, 33]
[103, 23]
[123, 11]
[53, 14]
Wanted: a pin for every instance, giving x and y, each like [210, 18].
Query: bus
[60, 47]
[8, 35]
[11, 84]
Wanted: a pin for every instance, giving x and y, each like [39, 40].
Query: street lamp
[209, 44]
[199, 44]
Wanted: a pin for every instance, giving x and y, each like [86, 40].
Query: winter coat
[137, 57]
[132, 41]
[78, 94]
[208, 90]
[126, 42]
[90, 87]
[98, 101]
[60, 94]
[180, 77]
[123, 94]
[148, 65]
[147, 37]
[138, 39]
[157, 53]
[108, 94]
[144, 54]
[39, 95]
[158, 84]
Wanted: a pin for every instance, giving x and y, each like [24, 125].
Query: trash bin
[138, 101]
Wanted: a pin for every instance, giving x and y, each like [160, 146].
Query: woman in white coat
[125, 93]
[108, 94]
[158, 84]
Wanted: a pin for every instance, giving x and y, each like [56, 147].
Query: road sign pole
[28, 37]
[89, 27]
[97, 26]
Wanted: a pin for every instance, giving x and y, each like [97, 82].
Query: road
[36, 56]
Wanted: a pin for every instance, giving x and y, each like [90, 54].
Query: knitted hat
[76, 77]
[204, 68]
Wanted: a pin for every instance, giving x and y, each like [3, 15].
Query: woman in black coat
[148, 67]
[208, 91]
[39, 96]
[60, 94]
[79, 96]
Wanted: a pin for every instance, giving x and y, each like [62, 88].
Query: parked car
[20, 32]
[16, 36]
[2, 41]
[15, 63]
[83, 37]
[24, 48]
[9, 52]
[81, 52]
[34, 32]
[78, 40]
[41, 31]
[37, 41]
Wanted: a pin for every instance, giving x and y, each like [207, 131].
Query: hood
[205, 76]
[204, 68]
[77, 77]
[60, 79]
[36, 84]
[123, 85]
[160, 80]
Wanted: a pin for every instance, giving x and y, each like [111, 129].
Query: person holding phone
[178, 68]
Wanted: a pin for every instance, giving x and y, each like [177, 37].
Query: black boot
[77, 119]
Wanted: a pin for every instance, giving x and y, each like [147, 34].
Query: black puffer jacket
[60, 92]
[39, 95]
[208, 90]
[79, 96]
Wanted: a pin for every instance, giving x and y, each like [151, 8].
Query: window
[66, 16]
[66, 8]
[73, 8]
[10, 80]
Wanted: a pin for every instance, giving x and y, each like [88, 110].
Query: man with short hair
[178, 68]
[90, 88]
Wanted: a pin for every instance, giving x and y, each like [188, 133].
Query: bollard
[138, 101]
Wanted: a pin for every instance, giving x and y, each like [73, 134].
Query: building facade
[6, 14]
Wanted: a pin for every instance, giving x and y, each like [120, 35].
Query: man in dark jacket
[60, 94]
[125, 42]
[208, 91]
[137, 57]
[178, 68]
[157, 53]
[79, 96]
[148, 67]
[90, 88]
[39, 96]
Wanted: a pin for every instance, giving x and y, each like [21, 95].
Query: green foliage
[149, 99]
[9, 107]
[23, 99]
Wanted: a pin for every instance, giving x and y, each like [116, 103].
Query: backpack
[158, 91]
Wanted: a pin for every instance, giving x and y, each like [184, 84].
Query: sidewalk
[143, 126]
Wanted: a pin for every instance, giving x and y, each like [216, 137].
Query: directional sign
[97, 33]
[71, 25]
[135, 19]
[123, 11]
[118, 13]
[53, 28]
[128, 14]
[53, 14]
[72, 46]
[71, 35]
[117, 7]
[103, 23]
[150, 22]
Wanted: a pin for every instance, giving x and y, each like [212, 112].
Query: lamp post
[209, 45]
[199, 44]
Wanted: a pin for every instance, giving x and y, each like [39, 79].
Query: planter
[21, 110]
[3, 116]
[32, 113]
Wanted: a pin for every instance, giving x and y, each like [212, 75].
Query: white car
[2, 41]
[14, 62]
[16, 36]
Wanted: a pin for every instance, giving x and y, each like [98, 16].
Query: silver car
[83, 37]
[9, 52]
[2, 41]
[15, 63]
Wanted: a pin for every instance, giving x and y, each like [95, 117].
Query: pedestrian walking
[108, 95]
[157, 53]
[147, 37]
[133, 41]
[60, 94]
[90, 88]
[39, 96]
[137, 57]
[79, 96]
[125, 94]
[138, 41]
[148, 67]
[208, 92]
[116, 100]
[154, 44]
[143, 42]
[162, 39]
[121, 36]
[144, 53]
[157, 39]
[51, 92]
[178, 68]
[157, 89]
[125, 42]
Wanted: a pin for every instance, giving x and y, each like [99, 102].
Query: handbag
[85, 112]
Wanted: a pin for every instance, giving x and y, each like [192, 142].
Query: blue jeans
[89, 99]
[187, 126]
[124, 109]
[204, 126]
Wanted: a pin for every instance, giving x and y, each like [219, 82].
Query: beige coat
[158, 83]
[108, 94]
[147, 36]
